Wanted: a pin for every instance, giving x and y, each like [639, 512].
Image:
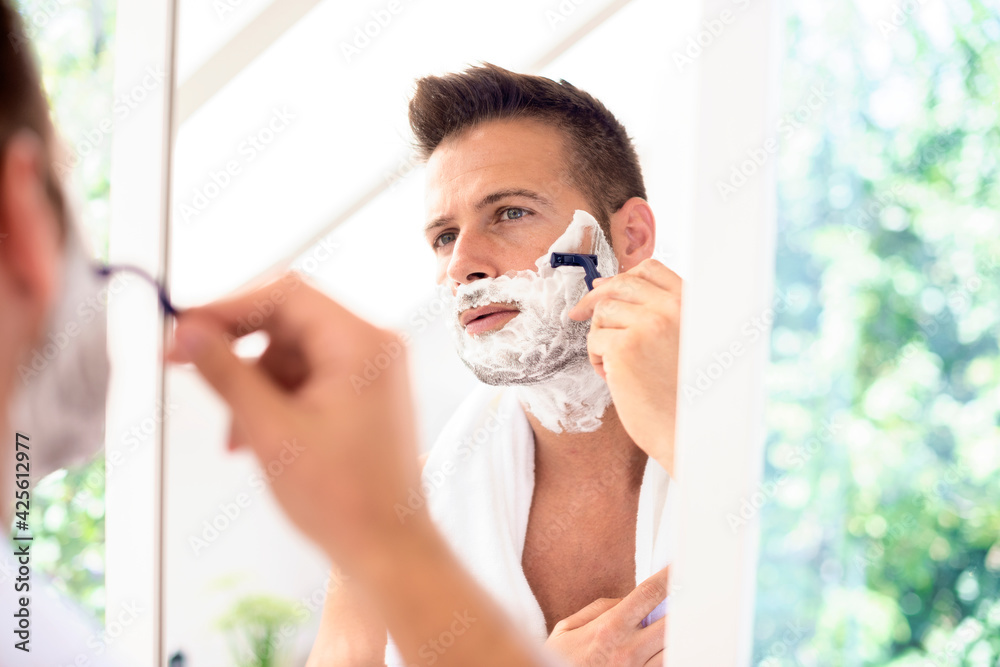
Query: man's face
[497, 197]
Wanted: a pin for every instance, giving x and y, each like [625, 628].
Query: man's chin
[525, 374]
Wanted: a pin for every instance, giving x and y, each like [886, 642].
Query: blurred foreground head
[53, 352]
[32, 207]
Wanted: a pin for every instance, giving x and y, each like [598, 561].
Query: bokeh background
[880, 512]
[881, 529]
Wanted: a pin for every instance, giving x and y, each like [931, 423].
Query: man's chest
[579, 550]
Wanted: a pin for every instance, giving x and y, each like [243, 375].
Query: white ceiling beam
[223, 66]
[380, 185]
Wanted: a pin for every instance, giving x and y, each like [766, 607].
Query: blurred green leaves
[67, 521]
[885, 544]
[258, 628]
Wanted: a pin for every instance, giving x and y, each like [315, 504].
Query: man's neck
[607, 453]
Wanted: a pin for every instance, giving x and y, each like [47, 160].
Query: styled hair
[602, 162]
[23, 105]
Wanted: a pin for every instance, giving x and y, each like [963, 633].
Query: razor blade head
[588, 262]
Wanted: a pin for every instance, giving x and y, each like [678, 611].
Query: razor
[588, 262]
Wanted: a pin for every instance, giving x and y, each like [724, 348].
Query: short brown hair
[603, 162]
[22, 101]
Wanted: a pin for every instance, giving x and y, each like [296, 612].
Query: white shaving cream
[542, 351]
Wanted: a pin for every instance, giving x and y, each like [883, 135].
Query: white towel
[478, 483]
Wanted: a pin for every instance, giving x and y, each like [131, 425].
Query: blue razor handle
[588, 262]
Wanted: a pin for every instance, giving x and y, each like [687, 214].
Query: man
[511, 161]
[359, 463]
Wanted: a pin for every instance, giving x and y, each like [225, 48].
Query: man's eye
[444, 239]
[513, 213]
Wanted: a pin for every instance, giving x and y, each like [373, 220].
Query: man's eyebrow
[493, 198]
[437, 222]
[499, 195]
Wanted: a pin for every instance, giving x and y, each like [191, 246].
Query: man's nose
[472, 258]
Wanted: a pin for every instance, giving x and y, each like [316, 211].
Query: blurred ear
[633, 232]
[30, 233]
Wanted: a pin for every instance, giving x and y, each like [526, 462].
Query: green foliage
[67, 521]
[258, 626]
[881, 545]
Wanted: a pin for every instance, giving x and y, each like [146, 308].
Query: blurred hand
[329, 400]
[608, 632]
[634, 343]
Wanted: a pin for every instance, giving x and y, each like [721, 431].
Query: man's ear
[633, 232]
[30, 232]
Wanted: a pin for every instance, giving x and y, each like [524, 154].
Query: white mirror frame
[720, 430]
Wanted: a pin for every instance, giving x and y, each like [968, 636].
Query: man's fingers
[263, 308]
[614, 314]
[306, 328]
[235, 314]
[656, 660]
[253, 398]
[628, 287]
[652, 639]
[585, 615]
[641, 601]
[657, 273]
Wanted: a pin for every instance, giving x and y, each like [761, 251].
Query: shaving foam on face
[542, 351]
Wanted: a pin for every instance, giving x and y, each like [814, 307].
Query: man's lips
[487, 318]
